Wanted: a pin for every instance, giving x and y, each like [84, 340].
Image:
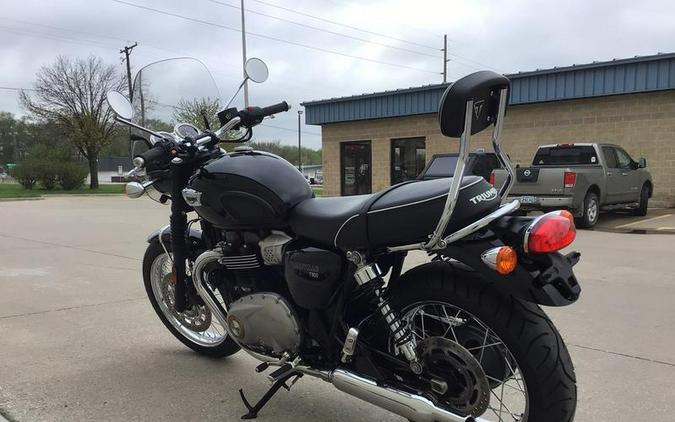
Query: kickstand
[281, 382]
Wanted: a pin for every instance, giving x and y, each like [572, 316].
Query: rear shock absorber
[370, 276]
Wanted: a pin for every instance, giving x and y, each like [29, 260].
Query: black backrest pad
[483, 88]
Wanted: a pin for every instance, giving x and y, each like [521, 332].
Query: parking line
[666, 228]
[643, 221]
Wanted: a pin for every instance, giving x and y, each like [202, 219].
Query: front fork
[179, 209]
[369, 274]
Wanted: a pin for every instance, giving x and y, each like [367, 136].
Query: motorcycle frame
[436, 240]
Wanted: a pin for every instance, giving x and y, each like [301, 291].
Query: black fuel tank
[249, 189]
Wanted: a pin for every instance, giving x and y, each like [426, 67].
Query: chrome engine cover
[264, 323]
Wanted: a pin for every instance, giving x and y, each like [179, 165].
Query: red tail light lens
[491, 180]
[570, 179]
[550, 233]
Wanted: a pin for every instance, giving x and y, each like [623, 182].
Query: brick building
[370, 141]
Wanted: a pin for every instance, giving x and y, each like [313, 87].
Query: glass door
[355, 167]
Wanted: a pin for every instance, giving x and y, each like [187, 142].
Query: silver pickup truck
[584, 178]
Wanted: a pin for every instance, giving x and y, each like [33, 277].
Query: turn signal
[550, 232]
[502, 259]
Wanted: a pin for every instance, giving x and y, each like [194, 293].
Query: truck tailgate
[535, 181]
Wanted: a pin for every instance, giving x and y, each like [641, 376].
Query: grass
[14, 190]
[318, 191]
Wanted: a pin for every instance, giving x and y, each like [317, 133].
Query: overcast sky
[504, 35]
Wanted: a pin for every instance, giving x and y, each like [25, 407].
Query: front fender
[195, 239]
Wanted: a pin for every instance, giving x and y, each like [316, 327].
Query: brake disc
[196, 318]
[468, 390]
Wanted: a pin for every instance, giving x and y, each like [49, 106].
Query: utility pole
[299, 143]
[127, 51]
[243, 51]
[445, 58]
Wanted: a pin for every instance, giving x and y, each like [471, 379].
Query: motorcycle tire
[523, 327]
[225, 348]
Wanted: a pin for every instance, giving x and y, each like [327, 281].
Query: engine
[265, 323]
[266, 284]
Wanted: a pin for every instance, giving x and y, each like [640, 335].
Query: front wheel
[195, 327]
[502, 359]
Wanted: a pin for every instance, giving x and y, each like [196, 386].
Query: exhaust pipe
[411, 406]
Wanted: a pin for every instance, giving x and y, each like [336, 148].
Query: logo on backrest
[488, 195]
[478, 108]
[527, 173]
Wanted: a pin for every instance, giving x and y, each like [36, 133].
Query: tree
[194, 111]
[72, 94]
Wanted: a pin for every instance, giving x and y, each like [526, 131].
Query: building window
[355, 168]
[408, 157]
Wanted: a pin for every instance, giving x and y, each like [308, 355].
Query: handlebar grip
[157, 153]
[276, 108]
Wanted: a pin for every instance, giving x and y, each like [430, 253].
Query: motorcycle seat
[404, 213]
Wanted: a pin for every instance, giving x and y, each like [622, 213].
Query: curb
[27, 198]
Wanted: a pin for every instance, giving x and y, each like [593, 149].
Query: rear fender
[547, 279]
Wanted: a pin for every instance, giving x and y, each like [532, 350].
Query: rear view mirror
[642, 163]
[120, 105]
[256, 70]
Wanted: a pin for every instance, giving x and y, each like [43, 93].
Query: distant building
[371, 141]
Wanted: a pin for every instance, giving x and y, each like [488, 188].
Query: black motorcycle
[253, 261]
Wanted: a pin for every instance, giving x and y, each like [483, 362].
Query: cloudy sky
[319, 49]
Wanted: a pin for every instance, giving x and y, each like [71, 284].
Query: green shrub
[71, 175]
[48, 173]
[26, 173]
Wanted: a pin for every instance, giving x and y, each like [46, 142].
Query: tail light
[570, 179]
[550, 232]
[491, 180]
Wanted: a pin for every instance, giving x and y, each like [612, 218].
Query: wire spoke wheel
[195, 323]
[483, 378]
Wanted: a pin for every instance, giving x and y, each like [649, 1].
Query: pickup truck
[583, 178]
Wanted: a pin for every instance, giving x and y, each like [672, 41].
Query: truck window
[610, 157]
[442, 166]
[625, 162]
[565, 155]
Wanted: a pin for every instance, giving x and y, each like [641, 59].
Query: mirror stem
[134, 125]
[235, 93]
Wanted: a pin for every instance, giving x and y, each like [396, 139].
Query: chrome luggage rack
[436, 240]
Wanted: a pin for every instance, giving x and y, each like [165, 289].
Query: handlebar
[276, 108]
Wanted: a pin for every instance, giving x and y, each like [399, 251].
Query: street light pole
[299, 143]
[243, 51]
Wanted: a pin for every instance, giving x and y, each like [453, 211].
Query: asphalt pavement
[80, 342]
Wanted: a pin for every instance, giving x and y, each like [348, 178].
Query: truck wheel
[641, 210]
[591, 211]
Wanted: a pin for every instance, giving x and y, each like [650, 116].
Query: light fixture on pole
[299, 143]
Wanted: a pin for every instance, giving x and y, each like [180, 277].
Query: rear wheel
[591, 211]
[501, 358]
[195, 327]
[641, 210]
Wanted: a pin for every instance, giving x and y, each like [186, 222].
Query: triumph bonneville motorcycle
[314, 286]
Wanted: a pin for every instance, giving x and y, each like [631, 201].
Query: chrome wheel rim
[195, 324]
[509, 401]
[592, 210]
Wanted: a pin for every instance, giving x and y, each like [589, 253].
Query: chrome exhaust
[407, 405]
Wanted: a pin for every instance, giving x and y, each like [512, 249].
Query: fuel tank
[248, 189]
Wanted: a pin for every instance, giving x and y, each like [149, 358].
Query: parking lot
[79, 341]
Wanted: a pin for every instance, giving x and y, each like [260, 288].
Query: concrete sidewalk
[80, 342]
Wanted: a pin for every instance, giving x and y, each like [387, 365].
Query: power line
[324, 30]
[10, 88]
[344, 25]
[289, 130]
[268, 37]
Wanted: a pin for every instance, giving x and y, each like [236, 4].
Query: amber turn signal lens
[506, 260]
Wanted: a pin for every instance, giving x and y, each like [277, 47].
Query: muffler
[411, 406]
